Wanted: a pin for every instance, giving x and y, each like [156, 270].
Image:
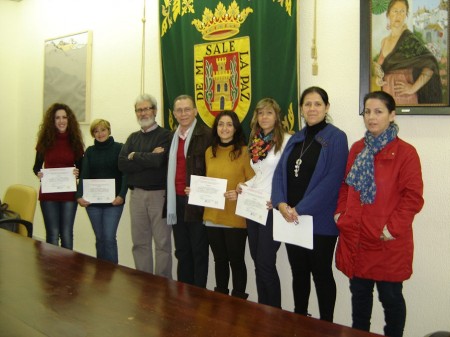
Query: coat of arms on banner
[222, 67]
[228, 55]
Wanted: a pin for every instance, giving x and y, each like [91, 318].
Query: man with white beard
[144, 160]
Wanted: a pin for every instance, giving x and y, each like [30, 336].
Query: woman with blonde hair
[101, 162]
[267, 142]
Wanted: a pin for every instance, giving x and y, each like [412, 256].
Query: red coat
[399, 188]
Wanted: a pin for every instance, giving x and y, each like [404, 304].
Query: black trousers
[228, 248]
[263, 250]
[191, 249]
[317, 262]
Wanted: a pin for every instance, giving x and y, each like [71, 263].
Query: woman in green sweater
[100, 162]
[228, 158]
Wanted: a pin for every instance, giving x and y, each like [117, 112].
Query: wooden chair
[22, 200]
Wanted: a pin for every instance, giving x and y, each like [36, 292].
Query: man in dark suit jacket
[186, 158]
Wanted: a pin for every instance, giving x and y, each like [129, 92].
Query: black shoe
[221, 290]
[239, 294]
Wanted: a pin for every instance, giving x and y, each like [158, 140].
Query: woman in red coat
[377, 203]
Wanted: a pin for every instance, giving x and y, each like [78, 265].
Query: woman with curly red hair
[59, 144]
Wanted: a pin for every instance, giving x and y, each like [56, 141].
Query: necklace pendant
[298, 162]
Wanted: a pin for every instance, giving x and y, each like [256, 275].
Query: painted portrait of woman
[409, 50]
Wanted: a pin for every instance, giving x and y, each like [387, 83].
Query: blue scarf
[361, 175]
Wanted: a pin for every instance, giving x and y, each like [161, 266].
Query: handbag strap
[3, 207]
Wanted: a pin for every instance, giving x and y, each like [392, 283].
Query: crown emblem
[222, 23]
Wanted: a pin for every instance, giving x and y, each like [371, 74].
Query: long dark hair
[238, 140]
[47, 130]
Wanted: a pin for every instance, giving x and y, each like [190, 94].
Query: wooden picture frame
[67, 73]
[430, 25]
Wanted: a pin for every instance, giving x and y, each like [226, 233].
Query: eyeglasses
[185, 110]
[147, 109]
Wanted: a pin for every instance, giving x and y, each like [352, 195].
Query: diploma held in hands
[56, 180]
[252, 204]
[288, 232]
[207, 192]
[99, 191]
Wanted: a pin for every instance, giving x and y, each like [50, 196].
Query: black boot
[221, 290]
[239, 294]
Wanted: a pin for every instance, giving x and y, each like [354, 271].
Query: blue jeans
[105, 221]
[391, 297]
[263, 250]
[59, 217]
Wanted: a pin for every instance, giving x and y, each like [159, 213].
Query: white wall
[9, 89]
[117, 37]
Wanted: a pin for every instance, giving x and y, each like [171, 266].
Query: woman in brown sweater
[228, 158]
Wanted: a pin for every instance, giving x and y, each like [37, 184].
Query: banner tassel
[315, 65]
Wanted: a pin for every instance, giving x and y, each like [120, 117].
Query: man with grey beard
[144, 160]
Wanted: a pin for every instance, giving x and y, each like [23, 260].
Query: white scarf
[171, 193]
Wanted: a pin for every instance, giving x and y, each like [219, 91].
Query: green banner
[228, 55]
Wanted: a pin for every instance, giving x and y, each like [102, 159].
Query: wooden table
[51, 291]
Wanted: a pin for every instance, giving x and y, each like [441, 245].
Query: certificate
[99, 191]
[57, 180]
[252, 204]
[300, 234]
[207, 192]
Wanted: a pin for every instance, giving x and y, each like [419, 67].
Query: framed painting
[67, 73]
[404, 51]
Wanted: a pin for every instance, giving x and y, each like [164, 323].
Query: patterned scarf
[260, 146]
[361, 175]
